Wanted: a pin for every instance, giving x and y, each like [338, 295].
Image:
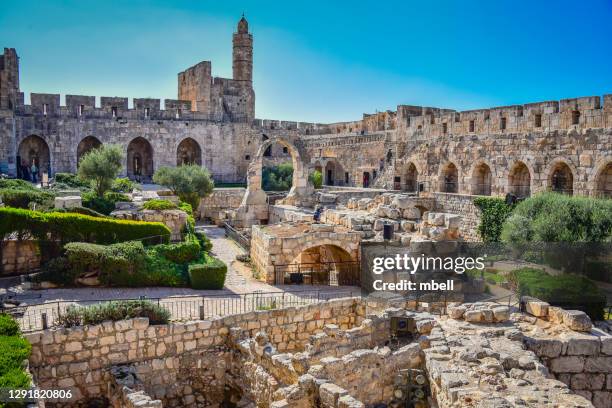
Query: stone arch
[325, 262]
[560, 177]
[481, 179]
[86, 145]
[34, 150]
[410, 177]
[140, 160]
[188, 151]
[600, 183]
[254, 207]
[448, 180]
[519, 179]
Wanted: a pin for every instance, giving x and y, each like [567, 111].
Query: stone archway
[188, 152]
[140, 160]
[411, 177]
[34, 150]
[519, 180]
[254, 206]
[603, 181]
[449, 178]
[86, 145]
[561, 178]
[481, 179]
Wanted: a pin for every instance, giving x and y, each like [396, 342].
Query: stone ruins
[343, 353]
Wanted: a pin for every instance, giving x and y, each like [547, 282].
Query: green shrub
[103, 205]
[553, 217]
[8, 326]
[69, 227]
[205, 242]
[566, 290]
[316, 178]
[494, 212]
[58, 271]
[17, 184]
[159, 205]
[189, 182]
[208, 275]
[123, 185]
[114, 311]
[71, 180]
[100, 167]
[14, 349]
[182, 252]
[22, 198]
[183, 206]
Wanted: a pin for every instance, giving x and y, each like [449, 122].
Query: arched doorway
[33, 150]
[519, 180]
[140, 160]
[603, 182]
[561, 179]
[481, 180]
[411, 178]
[324, 265]
[86, 145]
[449, 179]
[188, 152]
[366, 179]
[334, 173]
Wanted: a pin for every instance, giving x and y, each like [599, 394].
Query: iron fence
[46, 315]
[345, 273]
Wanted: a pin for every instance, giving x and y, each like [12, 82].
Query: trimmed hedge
[69, 227]
[71, 180]
[182, 252]
[494, 212]
[22, 198]
[14, 349]
[17, 184]
[569, 291]
[80, 210]
[208, 275]
[159, 205]
[114, 310]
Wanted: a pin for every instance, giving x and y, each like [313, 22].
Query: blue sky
[320, 60]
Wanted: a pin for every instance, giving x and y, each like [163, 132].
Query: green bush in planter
[114, 310]
[208, 275]
[159, 205]
[8, 326]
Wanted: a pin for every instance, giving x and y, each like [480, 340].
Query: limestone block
[411, 213]
[569, 364]
[456, 312]
[577, 320]
[437, 233]
[585, 381]
[606, 345]
[601, 399]
[346, 401]
[68, 202]
[392, 213]
[544, 347]
[329, 394]
[501, 314]
[536, 307]
[579, 344]
[436, 219]
[364, 203]
[598, 365]
[452, 221]
[473, 316]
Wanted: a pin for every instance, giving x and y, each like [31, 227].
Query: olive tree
[100, 167]
[189, 182]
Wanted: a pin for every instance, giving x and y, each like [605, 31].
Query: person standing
[34, 171]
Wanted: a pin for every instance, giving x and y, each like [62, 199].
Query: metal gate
[322, 273]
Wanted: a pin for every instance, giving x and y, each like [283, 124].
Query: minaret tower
[243, 53]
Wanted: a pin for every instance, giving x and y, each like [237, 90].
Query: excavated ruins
[380, 351]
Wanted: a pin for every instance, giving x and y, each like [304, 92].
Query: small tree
[316, 178]
[100, 167]
[189, 182]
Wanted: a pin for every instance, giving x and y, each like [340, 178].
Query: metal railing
[238, 237]
[46, 315]
[323, 273]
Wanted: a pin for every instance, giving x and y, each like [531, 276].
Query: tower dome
[243, 26]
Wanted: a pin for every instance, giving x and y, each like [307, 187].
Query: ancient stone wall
[180, 363]
[19, 257]
[219, 201]
[460, 204]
